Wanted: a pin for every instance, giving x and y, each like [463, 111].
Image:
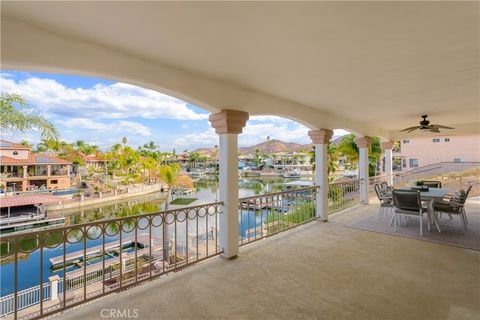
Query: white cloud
[123, 126]
[254, 132]
[207, 138]
[118, 100]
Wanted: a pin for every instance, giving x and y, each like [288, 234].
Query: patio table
[428, 197]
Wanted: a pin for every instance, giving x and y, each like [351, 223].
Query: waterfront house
[23, 170]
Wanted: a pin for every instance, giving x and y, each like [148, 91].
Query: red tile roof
[8, 145]
[25, 200]
[33, 159]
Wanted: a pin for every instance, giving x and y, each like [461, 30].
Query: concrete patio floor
[317, 271]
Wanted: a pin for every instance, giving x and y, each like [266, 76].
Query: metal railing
[25, 299]
[372, 181]
[264, 215]
[94, 259]
[453, 180]
[342, 195]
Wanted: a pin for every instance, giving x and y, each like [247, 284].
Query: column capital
[363, 142]
[387, 145]
[54, 278]
[321, 136]
[228, 121]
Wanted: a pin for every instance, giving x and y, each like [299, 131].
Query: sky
[101, 112]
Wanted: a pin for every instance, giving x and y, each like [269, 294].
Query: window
[457, 159]
[404, 163]
[406, 141]
[54, 181]
[413, 163]
[447, 139]
[436, 140]
[15, 153]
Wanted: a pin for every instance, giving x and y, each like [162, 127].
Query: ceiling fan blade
[434, 129]
[410, 129]
[441, 127]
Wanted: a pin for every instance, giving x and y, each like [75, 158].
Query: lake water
[207, 191]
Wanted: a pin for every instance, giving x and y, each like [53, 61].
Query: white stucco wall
[466, 148]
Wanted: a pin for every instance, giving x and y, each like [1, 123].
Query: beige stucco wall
[62, 183]
[466, 148]
[22, 154]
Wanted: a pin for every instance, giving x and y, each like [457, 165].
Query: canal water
[207, 191]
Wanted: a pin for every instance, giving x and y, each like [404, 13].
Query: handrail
[108, 221]
[280, 193]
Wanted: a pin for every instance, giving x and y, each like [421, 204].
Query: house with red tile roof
[22, 170]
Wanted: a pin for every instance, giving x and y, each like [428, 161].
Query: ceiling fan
[426, 126]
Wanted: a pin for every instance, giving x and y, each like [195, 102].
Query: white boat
[291, 174]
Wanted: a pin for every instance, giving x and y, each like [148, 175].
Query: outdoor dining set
[426, 198]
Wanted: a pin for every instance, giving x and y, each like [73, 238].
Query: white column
[363, 145]
[387, 147]
[49, 170]
[228, 124]
[228, 189]
[321, 138]
[54, 287]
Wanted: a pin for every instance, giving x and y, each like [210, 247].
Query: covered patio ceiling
[371, 68]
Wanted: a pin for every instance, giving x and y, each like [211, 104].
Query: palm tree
[168, 173]
[49, 145]
[14, 119]
[349, 149]
[332, 158]
[124, 140]
[26, 144]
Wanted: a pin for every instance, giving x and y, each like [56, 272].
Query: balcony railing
[265, 215]
[342, 195]
[78, 263]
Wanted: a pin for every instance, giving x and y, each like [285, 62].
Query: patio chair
[385, 200]
[432, 184]
[408, 203]
[384, 185]
[454, 205]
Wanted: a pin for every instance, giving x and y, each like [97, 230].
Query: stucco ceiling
[376, 63]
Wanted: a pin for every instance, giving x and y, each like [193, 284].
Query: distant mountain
[203, 151]
[276, 146]
[272, 146]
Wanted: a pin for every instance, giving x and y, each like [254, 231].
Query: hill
[272, 146]
[276, 146]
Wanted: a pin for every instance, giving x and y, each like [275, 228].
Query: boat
[290, 174]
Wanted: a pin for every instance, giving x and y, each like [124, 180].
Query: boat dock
[110, 248]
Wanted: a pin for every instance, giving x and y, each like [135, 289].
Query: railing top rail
[106, 221]
[347, 182]
[279, 193]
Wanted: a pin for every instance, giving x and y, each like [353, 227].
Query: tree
[257, 158]
[14, 117]
[124, 140]
[332, 158]
[349, 149]
[168, 174]
[49, 145]
[26, 144]
[193, 158]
